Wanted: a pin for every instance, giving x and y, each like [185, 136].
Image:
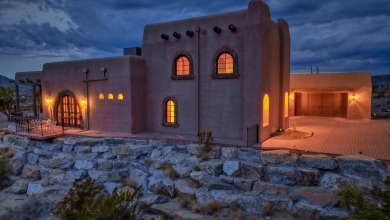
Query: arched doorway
[68, 110]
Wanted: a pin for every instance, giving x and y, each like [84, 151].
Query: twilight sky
[336, 35]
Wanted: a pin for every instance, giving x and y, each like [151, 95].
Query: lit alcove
[120, 96]
[286, 104]
[101, 96]
[110, 96]
[265, 110]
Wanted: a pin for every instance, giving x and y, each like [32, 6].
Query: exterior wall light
[353, 97]
[85, 70]
[49, 101]
[232, 28]
[217, 30]
[177, 35]
[164, 36]
[190, 33]
[83, 103]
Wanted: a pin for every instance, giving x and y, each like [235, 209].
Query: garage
[321, 104]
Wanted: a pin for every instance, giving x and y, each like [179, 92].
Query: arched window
[101, 96]
[286, 104]
[170, 112]
[265, 110]
[119, 96]
[182, 66]
[110, 96]
[225, 64]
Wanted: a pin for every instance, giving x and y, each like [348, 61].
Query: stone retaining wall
[270, 183]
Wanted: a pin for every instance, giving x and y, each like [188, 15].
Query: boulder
[303, 210]
[212, 167]
[88, 141]
[100, 149]
[108, 155]
[232, 168]
[138, 150]
[251, 169]
[85, 156]
[73, 175]
[34, 188]
[277, 206]
[166, 150]
[121, 150]
[99, 176]
[316, 196]
[82, 149]
[103, 164]
[203, 196]
[31, 172]
[110, 186]
[175, 158]
[308, 176]
[278, 157]
[16, 166]
[195, 149]
[185, 189]
[20, 186]
[359, 165]
[333, 181]
[318, 161]
[225, 197]
[282, 175]
[84, 164]
[269, 188]
[168, 209]
[16, 140]
[67, 148]
[248, 154]
[156, 154]
[32, 158]
[243, 183]
[188, 215]
[251, 204]
[56, 177]
[229, 152]
[114, 141]
[182, 170]
[139, 177]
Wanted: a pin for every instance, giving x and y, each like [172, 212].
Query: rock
[226, 179]
[104, 164]
[316, 196]
[56, 177]
[63, 163]
[248, 154]
[82, 149]
[20, 186]
[156, 154]
[333, 214]
[333, 181]
[43, 153]
[282, 157]
[168, 209]
[32, 158]
[212, 167]
[16, 140]
[110, 186]
[166, 150]
[16, 166]
[152, 217]
[197, 175]
[100, 149]
[188, 215]
[269, 188]
[85, 156]
[108, 155]
[31, 172]
[215, 152]
[114, 141]
[185, 189]
[193, 161]
[319, 161]
[304, 210]
[139, 177]
[282, 175]
[243, 183]
[88, 141]
[195, 149]
[182, 170]
[84, 164]
[251, 169]
[225, 197]
[277, 206]
[34, 188]
[67, 148]
[154, 199]
[203, 195]
[73, 175]
[121, 150]
[232, 168]
[70, 141]
[178, 158]
[359, 165]
[229, 152]
[251, 204]
[308, 176]
[138, 150]
[52, 147]
[98, 176]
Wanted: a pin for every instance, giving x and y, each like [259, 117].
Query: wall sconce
[232, 28]
[49, 101]
[177, 35]
[85, 70]
[103, 70]
[353, 97]
[164, 36]
[217, 30]
[83, 103]
[190, 33]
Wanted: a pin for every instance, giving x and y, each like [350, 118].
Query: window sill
[170, 125]
[183, 77]
[225, 76]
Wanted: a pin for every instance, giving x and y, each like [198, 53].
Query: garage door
[321, 104]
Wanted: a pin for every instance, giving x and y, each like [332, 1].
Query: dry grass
[170, 171]
[290, 134]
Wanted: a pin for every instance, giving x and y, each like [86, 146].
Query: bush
[87, 200]
[205, 137]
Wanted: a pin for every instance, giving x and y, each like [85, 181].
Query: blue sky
[347, 35]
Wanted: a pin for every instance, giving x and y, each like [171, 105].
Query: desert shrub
[169, 170]
[148, 163]
[87, 200]
[205, 138]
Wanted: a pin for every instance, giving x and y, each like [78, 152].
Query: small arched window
[182, 66]
[110, 96]
[225, 64]
[286, 104]
[120, 96]
[265, 110]
[170, 112]
[101, 96]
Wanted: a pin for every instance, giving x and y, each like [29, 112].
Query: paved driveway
[339, 136]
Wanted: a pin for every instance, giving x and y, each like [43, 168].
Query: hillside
[381, 80]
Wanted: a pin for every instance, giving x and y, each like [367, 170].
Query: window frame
[165, 123]
[235, 74]
[174, 75]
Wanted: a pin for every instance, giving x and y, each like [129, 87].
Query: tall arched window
[182, 66]
[225, 64]
[110, 96]
[119, 96]
[286, 104]
[101, 96]
[170, 112]
[265, 110]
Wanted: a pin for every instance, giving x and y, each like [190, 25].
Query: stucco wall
[352, 83]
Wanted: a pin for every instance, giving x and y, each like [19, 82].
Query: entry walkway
[338, 136]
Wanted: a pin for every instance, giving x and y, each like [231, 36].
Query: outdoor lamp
[353, 96]
[177, 35]
[190, 33]
[232, 28]
[48, 101]
[164, 36]
[217, 29]
[83, 103]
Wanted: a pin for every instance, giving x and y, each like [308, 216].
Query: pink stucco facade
[227, 106]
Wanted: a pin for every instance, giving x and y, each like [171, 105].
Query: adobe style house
[227, 73]
[346, 95]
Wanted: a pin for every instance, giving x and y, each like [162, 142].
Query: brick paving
[339, 136]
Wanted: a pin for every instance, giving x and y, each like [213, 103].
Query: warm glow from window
[120, 96]
[101, 96]
[170, 111]
[225, 64]
[286, 104]
[182, 66]
[110, 96]
[265, 110]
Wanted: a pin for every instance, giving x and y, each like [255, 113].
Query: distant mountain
[4, 81]
[381, 80]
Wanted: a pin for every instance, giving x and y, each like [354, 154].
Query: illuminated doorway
[68, 111]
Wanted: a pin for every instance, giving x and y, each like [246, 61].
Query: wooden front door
[321, 104]
[68, 112]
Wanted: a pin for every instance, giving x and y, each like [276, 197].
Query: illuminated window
[225, 64]
[120, 96]
[110, 96]
[265, 110]
[101, 96]
[286, 104]
[182, 66]
[170, 112]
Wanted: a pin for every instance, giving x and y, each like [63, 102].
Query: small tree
[6, 100]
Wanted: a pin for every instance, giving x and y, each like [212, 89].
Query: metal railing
[35, 126]
[252, 135]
